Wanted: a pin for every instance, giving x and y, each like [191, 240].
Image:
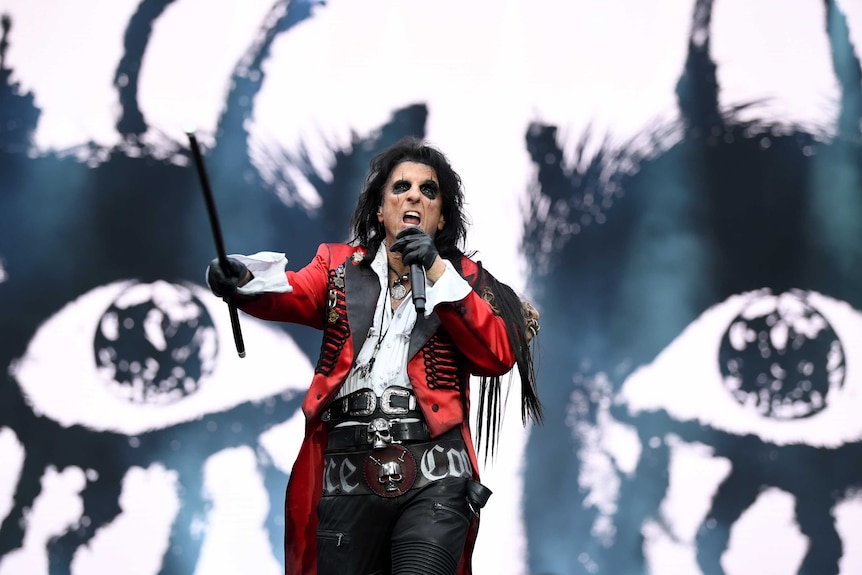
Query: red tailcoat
[337, 295]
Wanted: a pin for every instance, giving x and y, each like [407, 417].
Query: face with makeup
[411, 197]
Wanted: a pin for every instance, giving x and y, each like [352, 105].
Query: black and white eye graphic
[752, 393]
[781, 357]
[759, 363]
[162, 427]
[155, 344]
[148, 356]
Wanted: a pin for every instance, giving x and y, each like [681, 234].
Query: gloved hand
[224, 285]
[416, 247]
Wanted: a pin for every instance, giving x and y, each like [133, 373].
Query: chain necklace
[365, 370]
[398, 292]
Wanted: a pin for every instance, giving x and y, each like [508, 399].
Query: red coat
[457, 340]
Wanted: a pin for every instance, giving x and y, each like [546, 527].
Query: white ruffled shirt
[390, 330]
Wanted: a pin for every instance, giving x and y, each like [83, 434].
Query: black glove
[416, 247]
[224, 284]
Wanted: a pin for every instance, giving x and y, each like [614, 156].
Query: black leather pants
[422, 532]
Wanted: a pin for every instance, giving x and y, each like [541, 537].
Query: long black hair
[508, 305]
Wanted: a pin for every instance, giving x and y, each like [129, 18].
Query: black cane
[219, 241]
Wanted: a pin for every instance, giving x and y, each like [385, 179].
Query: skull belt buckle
[380, 432]
[390, 471]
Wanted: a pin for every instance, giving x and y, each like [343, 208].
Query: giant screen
[676, 186]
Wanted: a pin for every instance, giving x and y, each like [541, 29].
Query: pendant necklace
[398, 290]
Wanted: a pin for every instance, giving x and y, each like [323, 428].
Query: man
[386, 479]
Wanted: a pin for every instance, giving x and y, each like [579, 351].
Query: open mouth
[411, 219]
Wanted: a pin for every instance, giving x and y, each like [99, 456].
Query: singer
[386, 480]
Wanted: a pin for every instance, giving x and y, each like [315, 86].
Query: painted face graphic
[125, 410]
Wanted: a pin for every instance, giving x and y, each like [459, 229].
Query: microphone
[417, 285]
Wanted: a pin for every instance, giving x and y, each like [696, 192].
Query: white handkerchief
[268, 271]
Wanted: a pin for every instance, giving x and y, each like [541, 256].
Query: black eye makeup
[429, 188]
[400, 187]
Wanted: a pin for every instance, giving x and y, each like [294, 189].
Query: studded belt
[394, 400]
